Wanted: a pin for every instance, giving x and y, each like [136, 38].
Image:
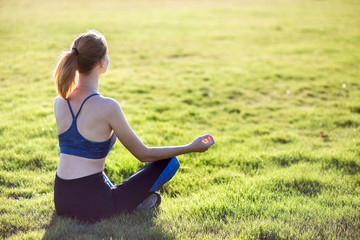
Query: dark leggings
[94, 197]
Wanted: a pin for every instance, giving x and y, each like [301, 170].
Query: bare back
[92, 125]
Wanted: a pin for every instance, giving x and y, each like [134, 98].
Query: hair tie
[76, 51]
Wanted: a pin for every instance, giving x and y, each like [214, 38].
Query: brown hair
[87, 50]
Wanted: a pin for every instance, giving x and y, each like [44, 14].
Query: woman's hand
[202, 143]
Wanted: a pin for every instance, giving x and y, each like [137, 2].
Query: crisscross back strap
[84, 102]
[72, 114]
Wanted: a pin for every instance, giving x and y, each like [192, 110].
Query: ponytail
[64, 74]
[87, 51]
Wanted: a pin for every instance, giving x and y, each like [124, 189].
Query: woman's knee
[169, 171]
[174, 162]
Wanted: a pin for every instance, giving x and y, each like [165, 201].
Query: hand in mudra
[202, 143]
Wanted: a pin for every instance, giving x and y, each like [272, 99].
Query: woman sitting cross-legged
[88, 125]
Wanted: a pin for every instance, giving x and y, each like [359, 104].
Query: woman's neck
[89, 82]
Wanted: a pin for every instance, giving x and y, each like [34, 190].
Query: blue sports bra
[73, 143]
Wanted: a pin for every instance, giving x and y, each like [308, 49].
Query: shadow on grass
[137, 225]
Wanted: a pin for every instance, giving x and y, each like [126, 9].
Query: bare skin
[100, 117]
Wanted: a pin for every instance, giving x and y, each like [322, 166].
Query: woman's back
[85, 138]
[91, 120]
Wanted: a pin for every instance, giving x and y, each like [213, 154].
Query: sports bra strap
[72, 114]
[84, 102]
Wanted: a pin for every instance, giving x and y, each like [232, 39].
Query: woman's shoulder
[107, 101]
[58, 101]
[107, 104]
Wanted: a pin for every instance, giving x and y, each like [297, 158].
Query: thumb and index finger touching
[207, 138]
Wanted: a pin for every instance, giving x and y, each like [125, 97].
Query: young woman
[88, 125]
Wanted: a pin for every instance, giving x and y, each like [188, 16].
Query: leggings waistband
[79, 180]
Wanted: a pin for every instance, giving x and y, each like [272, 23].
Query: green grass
[263, 77]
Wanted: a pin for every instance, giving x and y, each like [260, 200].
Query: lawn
[276, 82]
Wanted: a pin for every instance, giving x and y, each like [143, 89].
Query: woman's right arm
[117, 121]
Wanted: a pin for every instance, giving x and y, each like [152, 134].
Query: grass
[263, 77]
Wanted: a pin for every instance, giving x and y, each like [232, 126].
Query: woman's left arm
[138, 149]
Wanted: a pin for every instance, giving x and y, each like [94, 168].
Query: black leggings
[93, 197]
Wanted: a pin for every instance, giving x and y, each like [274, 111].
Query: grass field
[264, 77]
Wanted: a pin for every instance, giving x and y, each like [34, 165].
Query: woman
[88, 125]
